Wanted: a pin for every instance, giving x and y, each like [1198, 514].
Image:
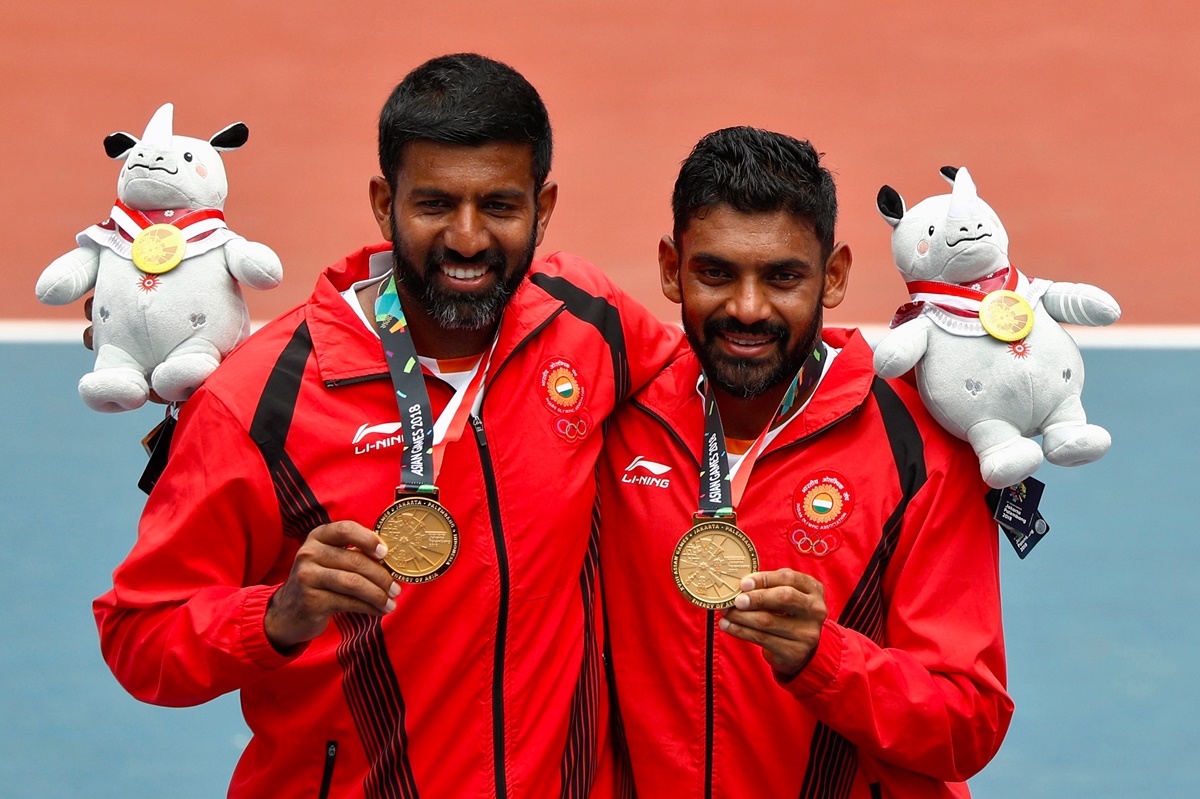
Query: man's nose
[467, 234]
[748, 304]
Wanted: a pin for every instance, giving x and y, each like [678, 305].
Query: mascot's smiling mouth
[131, 167]
[977, 238]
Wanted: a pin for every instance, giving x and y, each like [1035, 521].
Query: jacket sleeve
[932, 699]
[183, 622]
[649, 343]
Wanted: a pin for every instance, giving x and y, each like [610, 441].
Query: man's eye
[432, 205]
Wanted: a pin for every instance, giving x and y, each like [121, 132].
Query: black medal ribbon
[717, 498]
[412, 398]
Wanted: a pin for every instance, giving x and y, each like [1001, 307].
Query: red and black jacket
[483, 682]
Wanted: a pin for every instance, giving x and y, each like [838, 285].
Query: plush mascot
[992, 363]
[165, 267]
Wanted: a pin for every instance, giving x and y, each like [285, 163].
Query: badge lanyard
[721, 492]
[422, 460]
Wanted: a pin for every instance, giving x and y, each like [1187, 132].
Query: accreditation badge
[421, 537]
[710, 561]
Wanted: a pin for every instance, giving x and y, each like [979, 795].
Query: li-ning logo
[388, 430]
[655, 478]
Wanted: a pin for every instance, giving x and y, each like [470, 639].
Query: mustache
[763, 327]
[492, 258]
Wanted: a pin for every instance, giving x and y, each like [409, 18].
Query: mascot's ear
[231, 137]
[118, 145]
[949, 173]
[891, 205]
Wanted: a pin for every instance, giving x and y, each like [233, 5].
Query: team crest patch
[562, 389]
[823, 501]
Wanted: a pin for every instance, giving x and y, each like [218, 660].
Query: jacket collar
[346, 351]
[672, 395]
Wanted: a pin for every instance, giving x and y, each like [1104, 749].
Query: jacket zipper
[327, 777]
[489, 479]
[710, 642]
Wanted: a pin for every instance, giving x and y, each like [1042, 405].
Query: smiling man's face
[752, 288]
[464, 222]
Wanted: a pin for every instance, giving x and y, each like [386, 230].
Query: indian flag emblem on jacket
[823, 500]
[562, 389]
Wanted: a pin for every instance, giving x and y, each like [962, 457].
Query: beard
[749, 378]
[461, 310]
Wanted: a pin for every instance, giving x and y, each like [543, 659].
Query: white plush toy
[165, 267]
[992, 363]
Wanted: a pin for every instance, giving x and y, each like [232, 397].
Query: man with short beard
[800, 569]
[431, 415]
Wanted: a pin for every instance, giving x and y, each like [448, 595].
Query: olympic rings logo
[817, 547]
[573, 428]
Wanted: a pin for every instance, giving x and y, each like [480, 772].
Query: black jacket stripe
[833, 759]
[600, 314]
[298, 506]
[579, 759]
[623, 768]
[370, 684]
[374, 697]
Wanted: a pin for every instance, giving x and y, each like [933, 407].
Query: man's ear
[381, 205]
[668, 269]
[546, 200]
[837, 275]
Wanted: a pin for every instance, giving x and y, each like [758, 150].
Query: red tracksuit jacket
[483, 682]
[905, 695]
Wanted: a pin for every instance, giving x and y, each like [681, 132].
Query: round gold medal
[1006, 315]
[158, 249]
[421, 537]
[710, 561]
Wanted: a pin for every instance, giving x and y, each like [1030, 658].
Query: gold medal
[158, 249]
[710, 561]
[1006, 315]
[421, 537]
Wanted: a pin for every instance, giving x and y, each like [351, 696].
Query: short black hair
[756, 171]
[468, 99]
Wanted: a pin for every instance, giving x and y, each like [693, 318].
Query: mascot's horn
[964, 199]
[158, 130]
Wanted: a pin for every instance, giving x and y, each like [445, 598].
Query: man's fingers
[354, 586]
[341, 560]
[784, 600]
[349, 534]
[780, 577]
[87, 308]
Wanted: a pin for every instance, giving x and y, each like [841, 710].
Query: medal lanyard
[425, 441]
[721, 492]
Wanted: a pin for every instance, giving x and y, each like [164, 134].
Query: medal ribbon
[424, 438]
[721, 492]
[192, 223]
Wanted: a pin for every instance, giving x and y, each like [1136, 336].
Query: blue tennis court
[1102, 636]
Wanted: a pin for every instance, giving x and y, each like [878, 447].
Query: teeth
[744, 343]
[463, 273]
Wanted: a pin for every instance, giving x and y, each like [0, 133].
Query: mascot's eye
[187, 157]
[930, 227]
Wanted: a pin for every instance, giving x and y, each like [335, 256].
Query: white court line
[1119, 336]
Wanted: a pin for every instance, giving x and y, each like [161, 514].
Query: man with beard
[805, 601]
[430, 416]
